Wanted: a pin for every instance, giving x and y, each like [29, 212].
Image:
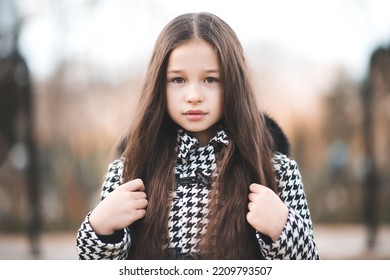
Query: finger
[138, 195]
[135, 185]
[254, 187]
[257, 188]
[252, 196]
[139, 214]
[250, 218]
[140, 204]
[250, 206]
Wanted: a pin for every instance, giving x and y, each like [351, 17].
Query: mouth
[195, 115]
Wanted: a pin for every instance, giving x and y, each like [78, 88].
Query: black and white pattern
[195, 166]
[89, 244]
[296, 240]
[187, 218]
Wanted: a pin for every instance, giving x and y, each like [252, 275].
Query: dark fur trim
[282, 144]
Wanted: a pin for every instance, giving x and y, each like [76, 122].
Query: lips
[194, 115]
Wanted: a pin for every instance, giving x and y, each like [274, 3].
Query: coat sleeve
[91, 246]
[296, 240]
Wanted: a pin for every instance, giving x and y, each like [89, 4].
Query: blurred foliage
[334, 184]
[335, 163]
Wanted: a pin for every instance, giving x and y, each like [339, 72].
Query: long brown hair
[150, 147]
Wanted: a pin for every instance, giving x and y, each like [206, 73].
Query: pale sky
[118, 35]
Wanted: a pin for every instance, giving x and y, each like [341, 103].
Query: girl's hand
[125, 205]
[267, 213]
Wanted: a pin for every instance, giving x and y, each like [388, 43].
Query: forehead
[195, 53]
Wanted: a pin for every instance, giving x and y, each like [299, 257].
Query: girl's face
[194, 89]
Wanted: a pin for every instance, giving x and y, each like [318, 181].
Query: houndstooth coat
[187, 219]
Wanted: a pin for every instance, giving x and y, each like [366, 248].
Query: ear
[282, 144]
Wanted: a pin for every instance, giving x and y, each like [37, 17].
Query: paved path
[334, 242]
[349, 242]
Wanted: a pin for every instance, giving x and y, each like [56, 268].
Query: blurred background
[70, 72]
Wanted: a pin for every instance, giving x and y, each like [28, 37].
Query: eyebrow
[178, 71]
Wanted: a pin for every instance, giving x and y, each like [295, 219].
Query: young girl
[202, 174]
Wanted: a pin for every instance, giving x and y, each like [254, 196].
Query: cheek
[219, 103]
[171, 104]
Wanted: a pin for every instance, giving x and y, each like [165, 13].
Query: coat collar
[186, 142]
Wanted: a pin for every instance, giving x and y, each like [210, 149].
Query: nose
[194, 94]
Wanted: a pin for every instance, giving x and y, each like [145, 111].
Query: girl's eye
[211, 80]
[178, 80]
